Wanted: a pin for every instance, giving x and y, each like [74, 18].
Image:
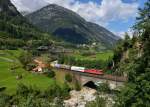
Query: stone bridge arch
[90, 84]
[91, 81]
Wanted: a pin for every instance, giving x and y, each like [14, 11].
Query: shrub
[68, 78]
[65, 91]
[53, 91]
[4, 100]
[2, 89]
[25, 58]
[104, 87]
[77, 85]
[30, 66]
[22, 90]
[99, 102]
[50, 74]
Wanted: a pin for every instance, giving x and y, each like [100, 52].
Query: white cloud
[109, 10]
[101, 13]
[29, 5]
[122, 33]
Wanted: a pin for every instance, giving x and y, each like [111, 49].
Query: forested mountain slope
[15, 30]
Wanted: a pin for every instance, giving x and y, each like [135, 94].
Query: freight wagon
[57, 65]
[63, 66]
[75, 68]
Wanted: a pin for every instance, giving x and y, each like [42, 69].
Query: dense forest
[136, 92]
[16, 31]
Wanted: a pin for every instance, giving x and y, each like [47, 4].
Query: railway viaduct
[84, 78]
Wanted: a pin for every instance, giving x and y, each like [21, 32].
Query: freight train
[78, 69]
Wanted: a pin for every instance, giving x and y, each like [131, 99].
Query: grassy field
[102, 56]
[8, 77]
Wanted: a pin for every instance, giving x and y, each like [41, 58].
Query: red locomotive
[94, 71]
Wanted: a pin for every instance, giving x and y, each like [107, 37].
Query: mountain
[13, 23]
[15, 30]
[7, 7]
[71, 27]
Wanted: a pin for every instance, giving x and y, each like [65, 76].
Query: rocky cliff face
[7, 7]
[71, 27]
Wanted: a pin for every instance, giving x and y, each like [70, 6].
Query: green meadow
[8, 59]
[101, 56]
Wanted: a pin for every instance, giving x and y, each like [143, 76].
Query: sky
[118, 16]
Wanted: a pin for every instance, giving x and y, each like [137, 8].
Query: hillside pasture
[101, 56]
[8, 77]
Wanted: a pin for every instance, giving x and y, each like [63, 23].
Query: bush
[2, 89]
[77, 85]
[65, 91]
[30, 66]
[68, 78]
[50, 74]
[22, 90]
[104, 87]
[25, 58]
[99, 102]
[4, 100]
[53, 91]
[56, 91]
[32, 97]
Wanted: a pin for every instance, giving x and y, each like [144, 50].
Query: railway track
[105, 76]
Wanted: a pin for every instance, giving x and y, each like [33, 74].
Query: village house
[40, 66]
